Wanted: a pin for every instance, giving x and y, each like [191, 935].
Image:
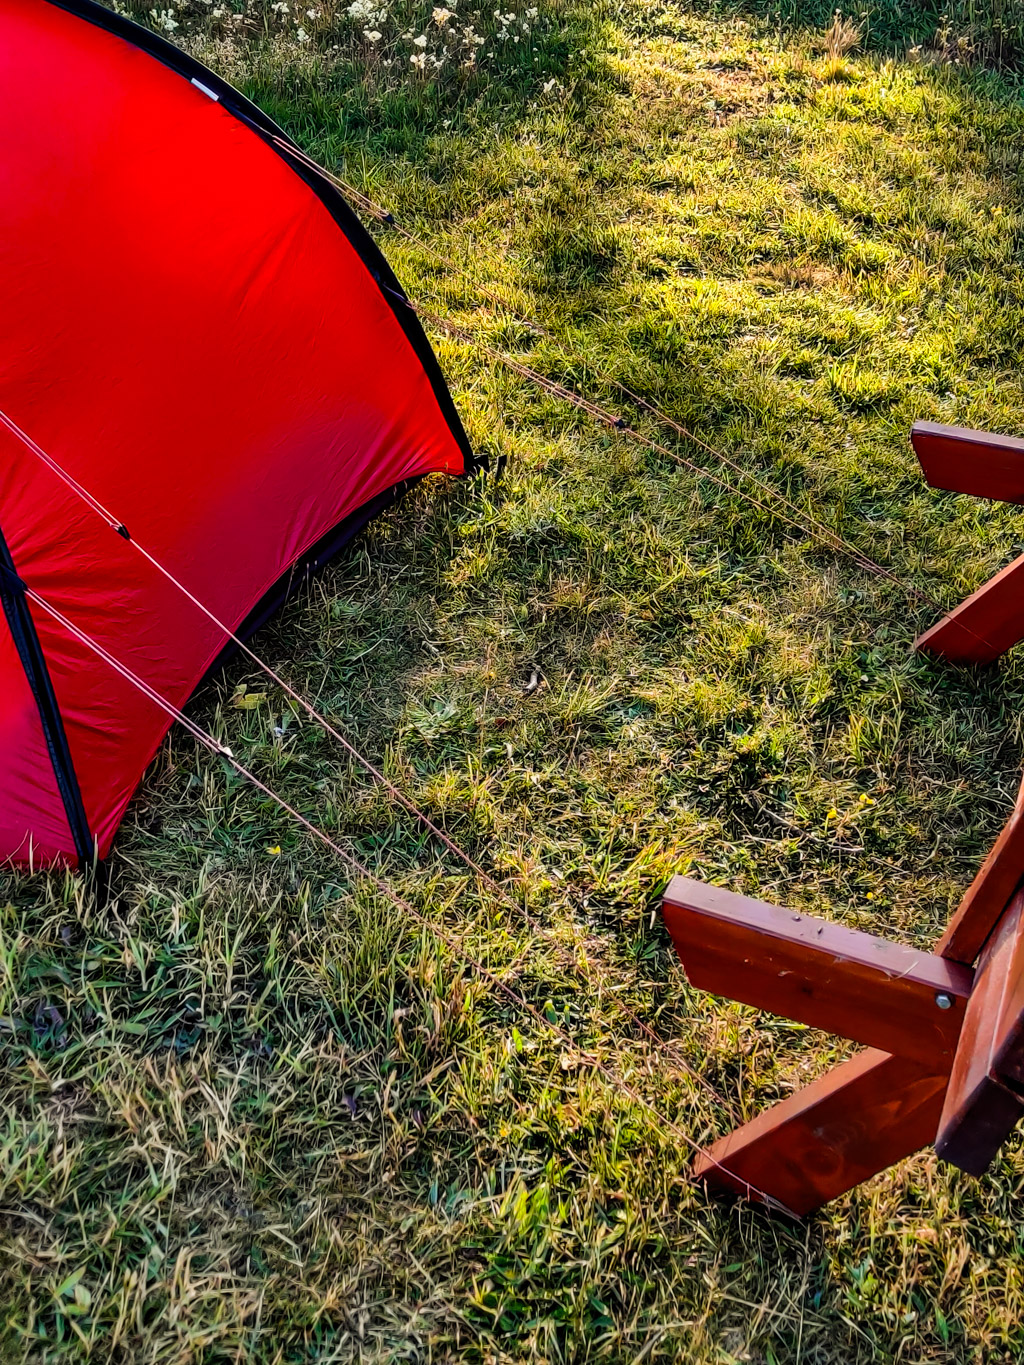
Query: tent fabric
[198, 330]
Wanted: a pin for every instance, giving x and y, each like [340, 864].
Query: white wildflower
[419, 60]
[312, 14]
[367, 12]
[302, 35]
[442, 15]
[421, 41]
[371, 35]
[164, 18]
[550, 85]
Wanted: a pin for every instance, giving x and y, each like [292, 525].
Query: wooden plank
[985, 1099]
[976, 462]
[989, 894]
[857, 1119]
[854, 984]
[985, 625]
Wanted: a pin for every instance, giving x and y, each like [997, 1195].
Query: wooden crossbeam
[976, 462]
[984, 625]
[859, 1118]
[989, 894]
[945, 1056]
[990, 621]
[897, 999]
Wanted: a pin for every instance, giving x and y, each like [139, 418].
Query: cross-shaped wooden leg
[990, 621]
[985, 1098]
[945, 1058]
[861, 1116]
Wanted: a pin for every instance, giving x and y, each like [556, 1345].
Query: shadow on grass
[259, 1109]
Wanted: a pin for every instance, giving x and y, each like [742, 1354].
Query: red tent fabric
[195, 327]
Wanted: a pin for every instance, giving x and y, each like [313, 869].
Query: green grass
[249, 1110]
[962, 30]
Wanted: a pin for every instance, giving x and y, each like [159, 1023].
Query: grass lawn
[249, 1110]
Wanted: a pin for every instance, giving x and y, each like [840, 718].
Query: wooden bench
[944, 1031]
[991, 620]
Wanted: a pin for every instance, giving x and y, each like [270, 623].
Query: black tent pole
[30, 652]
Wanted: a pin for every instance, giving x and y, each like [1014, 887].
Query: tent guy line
[832, 537]
[241, 485]
[321, 720]
[610, 419]
[816, 529]
[357, 197]
[386, 217]
[598, 413]
[65, 477]
[454, 945]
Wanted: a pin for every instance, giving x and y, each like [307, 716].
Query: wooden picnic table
[943, 1030]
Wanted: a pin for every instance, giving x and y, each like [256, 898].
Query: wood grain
[856, 1120]
[847, 982]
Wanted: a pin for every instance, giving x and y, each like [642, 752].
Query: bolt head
[944, 1001]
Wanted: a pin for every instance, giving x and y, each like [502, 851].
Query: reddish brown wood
[991, 620]
[985, 625]
[990, 892]
[887, 1102]
[986, 1090]
[854, 984]
[857, 1119]
[975, 462]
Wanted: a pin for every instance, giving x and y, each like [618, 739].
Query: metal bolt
[944, 1001]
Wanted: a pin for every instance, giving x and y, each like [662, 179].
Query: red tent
[195, 327]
